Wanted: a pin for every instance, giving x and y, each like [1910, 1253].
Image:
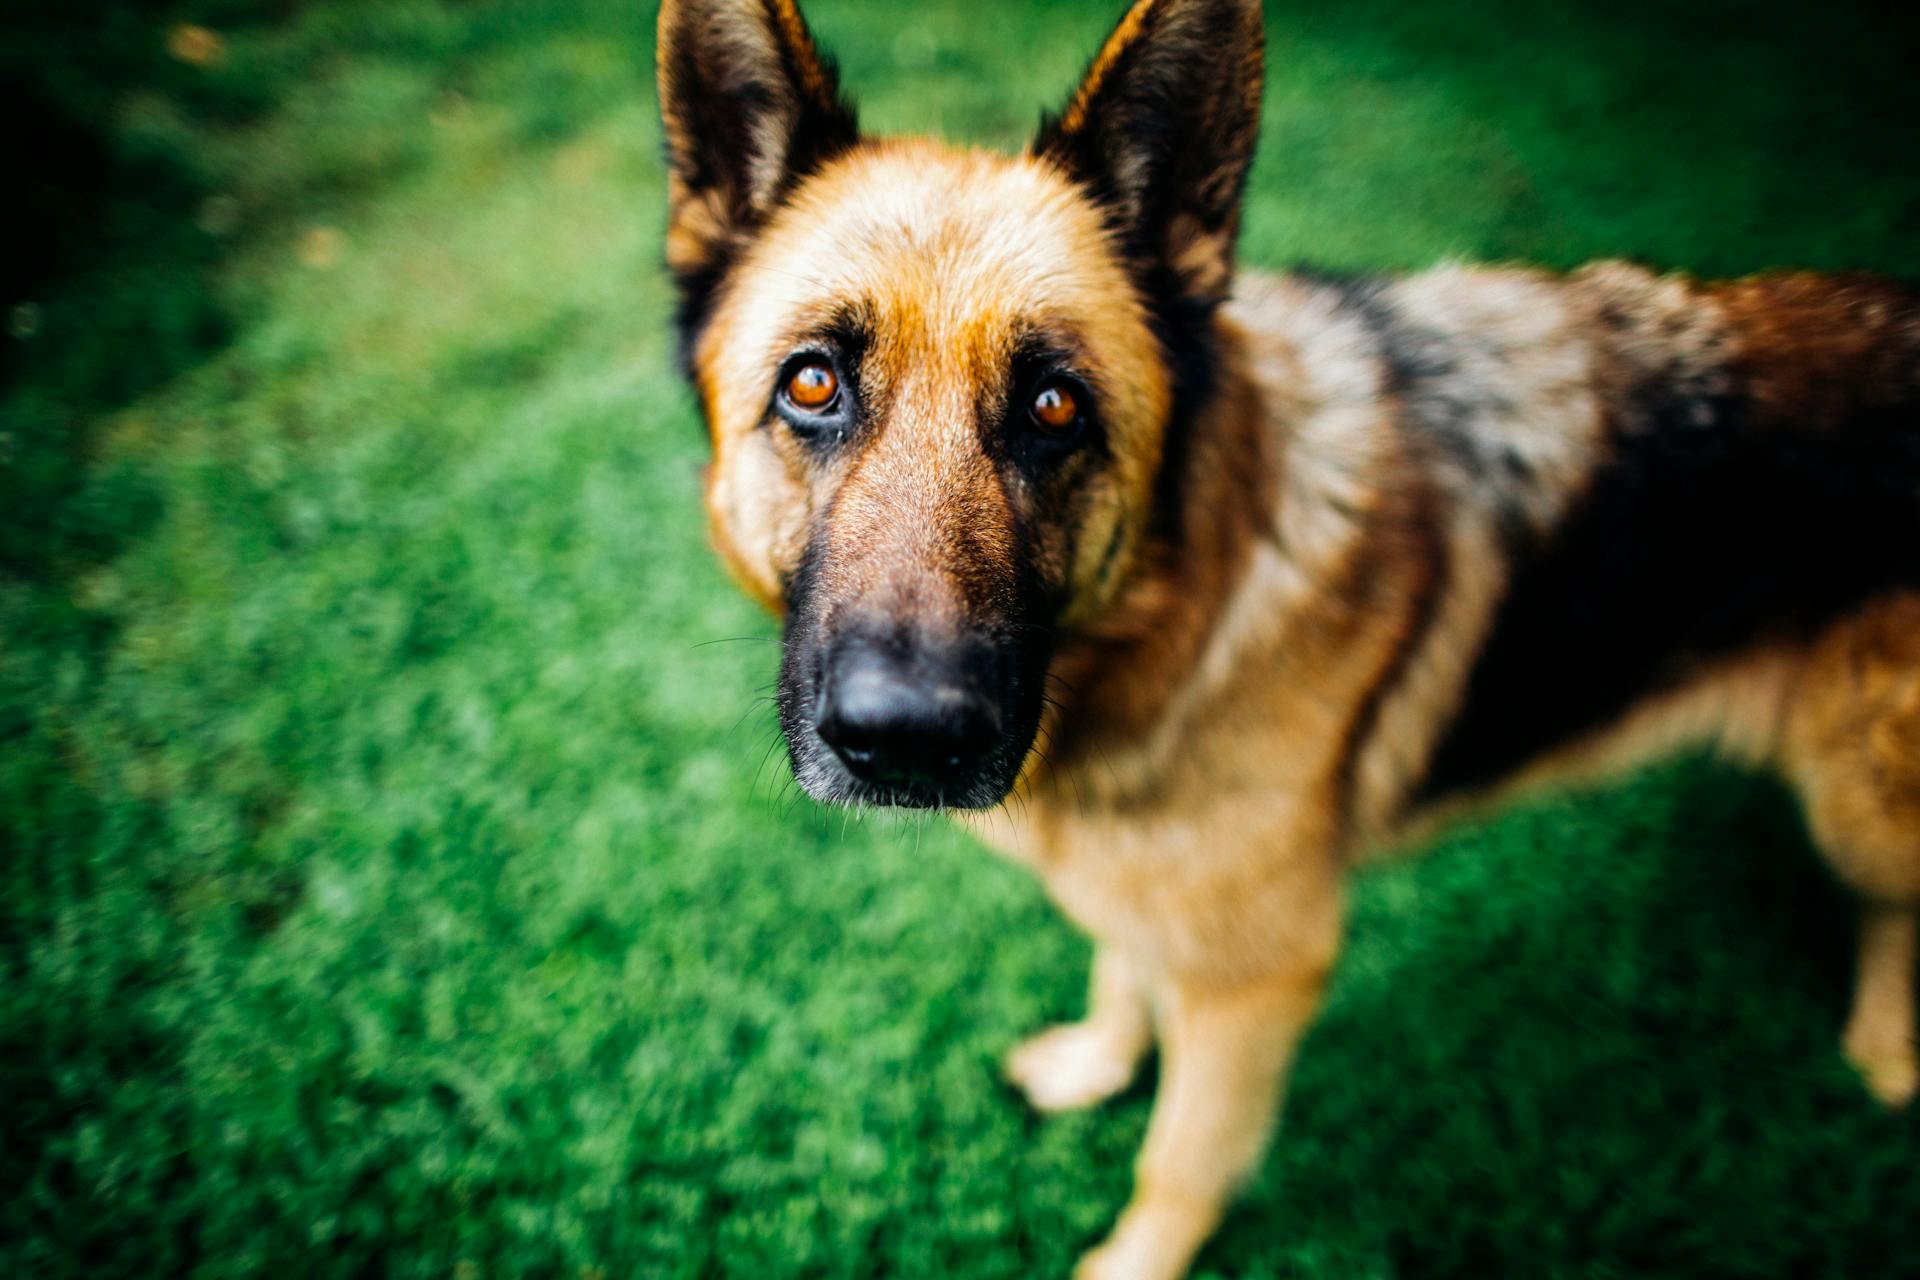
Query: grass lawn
[394, 882]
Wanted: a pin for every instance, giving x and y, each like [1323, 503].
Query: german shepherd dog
[1224, 580]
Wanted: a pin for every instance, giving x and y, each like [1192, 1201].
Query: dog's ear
[1162, 129]
[749, 106]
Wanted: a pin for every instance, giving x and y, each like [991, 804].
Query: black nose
[904, 718]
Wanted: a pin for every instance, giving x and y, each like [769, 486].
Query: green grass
[393, 884]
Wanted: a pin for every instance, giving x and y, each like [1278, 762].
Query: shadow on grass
[1700, 969]
[106, 292]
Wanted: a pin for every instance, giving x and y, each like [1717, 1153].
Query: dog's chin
[821, 775]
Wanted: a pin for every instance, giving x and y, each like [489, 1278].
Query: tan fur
[1247, 691]
[1851, 743]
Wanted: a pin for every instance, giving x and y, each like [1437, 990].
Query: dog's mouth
[882, 720]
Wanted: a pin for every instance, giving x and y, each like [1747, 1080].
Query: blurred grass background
[394, 883]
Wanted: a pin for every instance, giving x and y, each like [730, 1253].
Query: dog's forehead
[948, 244]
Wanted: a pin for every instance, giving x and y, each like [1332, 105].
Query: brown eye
[1055, 408]
[813, 385]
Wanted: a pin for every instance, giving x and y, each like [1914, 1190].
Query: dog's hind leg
[1078, 1064]
[1853, 746]
[1223, 1059]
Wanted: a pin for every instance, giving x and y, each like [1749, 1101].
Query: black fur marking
[1183, 327]
[1109, 557]
[1704, 534]
[695, 295]
[1422, 367]
[1424, 373]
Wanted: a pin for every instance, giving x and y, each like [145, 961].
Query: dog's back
[1676, 474]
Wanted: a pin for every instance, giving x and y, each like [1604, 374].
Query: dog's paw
[1072, 1066]
[1116, 1260]
[1101, 1264]
[1893, 1076]
[1149, 1242]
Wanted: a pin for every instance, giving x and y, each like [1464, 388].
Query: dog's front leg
[1224, 1053]
[1078, 1064]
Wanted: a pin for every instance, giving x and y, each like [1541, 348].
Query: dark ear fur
[1162, 129]
[750, 106]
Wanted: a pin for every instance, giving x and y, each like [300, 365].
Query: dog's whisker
[752, 707]
[707, 644]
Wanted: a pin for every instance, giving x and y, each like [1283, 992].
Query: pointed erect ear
[1162, 129]
[750, 106]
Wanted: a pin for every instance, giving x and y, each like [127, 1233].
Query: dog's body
[1272, 578]
[1447, 535]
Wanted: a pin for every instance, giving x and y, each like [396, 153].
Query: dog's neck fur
[1118, 679]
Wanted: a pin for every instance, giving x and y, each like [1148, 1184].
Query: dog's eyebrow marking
[1053, 350]
[852, 327]
[848, 326]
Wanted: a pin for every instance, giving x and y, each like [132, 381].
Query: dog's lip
[845, 789]
[860, 755]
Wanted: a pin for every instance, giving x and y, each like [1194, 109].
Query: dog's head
[940, 384]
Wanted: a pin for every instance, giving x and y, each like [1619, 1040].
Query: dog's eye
[813, 386]
[1055, 408]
